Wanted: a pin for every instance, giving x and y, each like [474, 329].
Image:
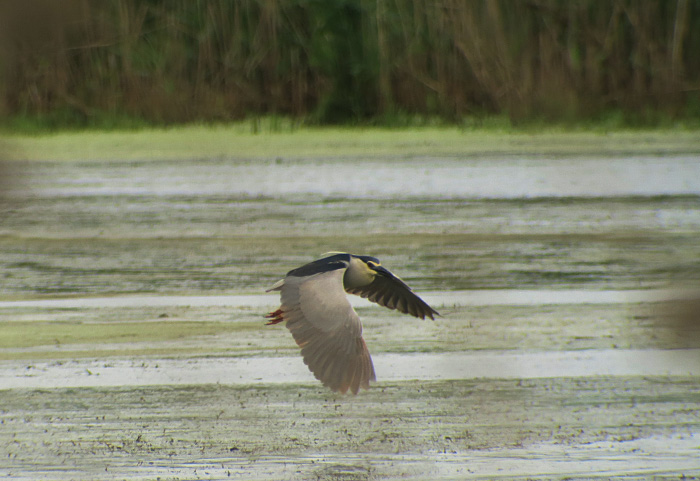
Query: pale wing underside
[327, 329]
[395, 294]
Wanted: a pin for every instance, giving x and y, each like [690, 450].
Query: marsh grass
[123, 62]
[99, 335]
[284, 139]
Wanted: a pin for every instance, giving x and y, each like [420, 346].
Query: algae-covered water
[132, 343]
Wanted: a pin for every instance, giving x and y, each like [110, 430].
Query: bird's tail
[277, 286]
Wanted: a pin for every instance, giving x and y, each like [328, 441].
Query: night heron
[324, 324]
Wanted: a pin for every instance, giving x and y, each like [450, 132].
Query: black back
[327, 264]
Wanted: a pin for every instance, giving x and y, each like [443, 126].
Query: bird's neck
[357, 274]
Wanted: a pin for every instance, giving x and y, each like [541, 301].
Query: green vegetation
[131, 63]
[239, 141]
[52, 339]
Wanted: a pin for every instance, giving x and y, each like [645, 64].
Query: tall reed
[348, 60]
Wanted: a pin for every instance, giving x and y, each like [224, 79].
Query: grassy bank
[250, 141]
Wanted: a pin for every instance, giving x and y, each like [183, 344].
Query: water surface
[131, 304]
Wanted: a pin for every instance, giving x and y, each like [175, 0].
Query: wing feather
[393, 293]
[327, 329]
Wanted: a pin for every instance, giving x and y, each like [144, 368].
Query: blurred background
[126, 62]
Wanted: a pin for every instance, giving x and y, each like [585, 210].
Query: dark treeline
[349, 60]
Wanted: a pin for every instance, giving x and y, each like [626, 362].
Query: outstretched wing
[327, 329]
[389, 291]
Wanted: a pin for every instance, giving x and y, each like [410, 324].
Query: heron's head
[374, 266]
[362, 270]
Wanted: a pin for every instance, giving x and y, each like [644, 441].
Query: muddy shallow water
[132, 344]
[594, 427]
[389, 368]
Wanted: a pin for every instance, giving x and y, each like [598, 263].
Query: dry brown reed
[345, 60]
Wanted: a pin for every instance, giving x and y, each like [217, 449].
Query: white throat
[357, 274]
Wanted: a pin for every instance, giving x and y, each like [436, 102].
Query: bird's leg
[275, 317]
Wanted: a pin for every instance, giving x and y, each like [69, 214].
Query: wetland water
[132, 343]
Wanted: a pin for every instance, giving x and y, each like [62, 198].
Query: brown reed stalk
[184, 60]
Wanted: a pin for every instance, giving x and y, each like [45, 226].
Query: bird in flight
[324, 324]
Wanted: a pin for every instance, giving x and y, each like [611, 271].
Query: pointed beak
[383, 272]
